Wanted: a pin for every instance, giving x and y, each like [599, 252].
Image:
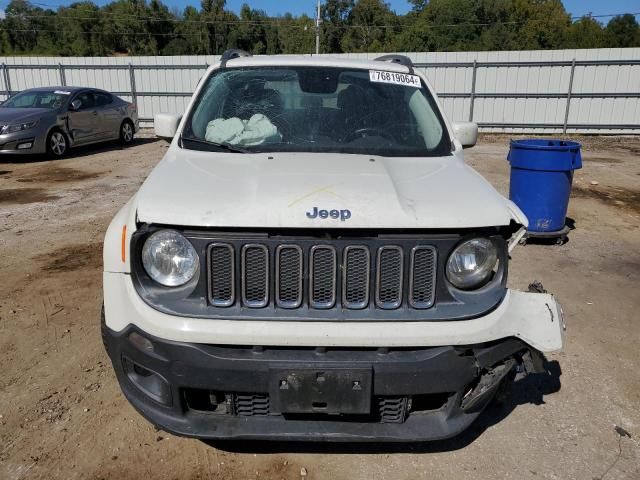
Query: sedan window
[37, 99]
[102, 99]
[87, 100]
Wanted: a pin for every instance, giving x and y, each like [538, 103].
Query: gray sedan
[53, 119]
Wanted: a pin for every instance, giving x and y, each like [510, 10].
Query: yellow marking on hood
[318, 190]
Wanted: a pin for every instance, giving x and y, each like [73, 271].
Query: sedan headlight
[18, 127]
[169, 258]
[471, 263]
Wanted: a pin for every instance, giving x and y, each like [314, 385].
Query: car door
[83, 122]
[109, 114]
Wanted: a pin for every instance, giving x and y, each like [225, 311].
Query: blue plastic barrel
[541, 177]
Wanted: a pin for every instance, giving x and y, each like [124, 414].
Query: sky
[277, 7]
[575, 7]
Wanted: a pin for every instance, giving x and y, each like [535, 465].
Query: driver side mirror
[75, 105]
[466, 133]
[165, 125]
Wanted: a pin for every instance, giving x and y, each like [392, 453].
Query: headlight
[471, 263]
[169, 258]
[17, 127]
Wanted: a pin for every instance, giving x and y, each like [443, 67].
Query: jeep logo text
[341, 214]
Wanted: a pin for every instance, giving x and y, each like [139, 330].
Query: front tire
[57, 144]
[126, 132]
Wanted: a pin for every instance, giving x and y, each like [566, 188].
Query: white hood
[276, 190]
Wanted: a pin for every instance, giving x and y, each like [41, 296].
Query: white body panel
[276, 190]
[533, 317]
[192, 188]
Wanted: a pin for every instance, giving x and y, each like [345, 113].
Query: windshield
[38, 99]
[316, 109]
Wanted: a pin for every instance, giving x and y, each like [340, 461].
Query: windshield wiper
[222, 146]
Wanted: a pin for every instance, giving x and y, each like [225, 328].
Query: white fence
[575, 91]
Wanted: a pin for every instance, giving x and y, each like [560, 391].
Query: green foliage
[623, 31]
[148, 27]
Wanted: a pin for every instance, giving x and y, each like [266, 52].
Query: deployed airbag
[235, 131]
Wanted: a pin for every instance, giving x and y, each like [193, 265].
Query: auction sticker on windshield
[395, 78]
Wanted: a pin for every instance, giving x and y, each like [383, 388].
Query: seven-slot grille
[321, 276]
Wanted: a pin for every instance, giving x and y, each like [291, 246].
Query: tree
[80, 31]
[372, 25]
[334, 14]
[585, 33]
[149, 27]
[296, 35]
[191, 36]
[29, 29]
[623, 31]
[452, 24]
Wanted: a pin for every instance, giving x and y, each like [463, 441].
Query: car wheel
[126, 132]
[57, 144]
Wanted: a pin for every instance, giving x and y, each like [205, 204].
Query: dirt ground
[62, 415]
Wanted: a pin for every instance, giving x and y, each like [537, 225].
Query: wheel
[57, 144]
[126, 132]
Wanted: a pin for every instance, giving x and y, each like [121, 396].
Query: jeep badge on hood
[341, 214]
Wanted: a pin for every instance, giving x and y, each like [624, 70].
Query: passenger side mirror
[466, 133]
[165, 125]
[75, 105]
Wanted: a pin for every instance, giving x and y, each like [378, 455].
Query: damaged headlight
[169, 258]
[472, 263]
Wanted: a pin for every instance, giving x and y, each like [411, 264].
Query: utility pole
[318, 29]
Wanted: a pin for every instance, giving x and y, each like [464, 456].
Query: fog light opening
[140, 342]
[24, 145]
[147, 381]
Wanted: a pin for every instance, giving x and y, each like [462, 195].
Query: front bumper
[447, 370]
[9, 142]
[535, 318]
[221, 392]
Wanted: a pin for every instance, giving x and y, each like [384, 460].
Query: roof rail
[231, 54]
[400, 59]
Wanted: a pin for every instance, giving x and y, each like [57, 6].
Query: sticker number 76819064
[395, 78]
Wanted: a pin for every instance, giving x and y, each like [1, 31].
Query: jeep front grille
[221, 275]
[289, 276]
[357, 272]
[422, 281]
[321, 276]
[389, 269]
[255, 275]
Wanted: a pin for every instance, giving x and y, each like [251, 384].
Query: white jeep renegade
[313, 260]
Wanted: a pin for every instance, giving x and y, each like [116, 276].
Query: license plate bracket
[330, 390]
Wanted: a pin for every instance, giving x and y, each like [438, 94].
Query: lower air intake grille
[392, 409]
[247, 404]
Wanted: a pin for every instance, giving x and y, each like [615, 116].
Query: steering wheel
[369, 132]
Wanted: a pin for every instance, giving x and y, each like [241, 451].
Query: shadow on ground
[79, 152]
[529, 390]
